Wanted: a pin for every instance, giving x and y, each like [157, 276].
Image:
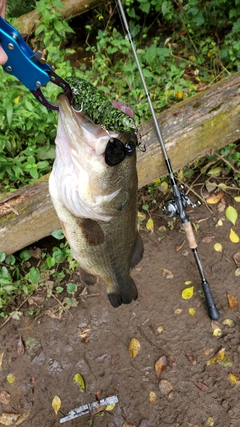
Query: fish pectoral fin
[124, 296]
[87, 279]
[91, 231]
[137, 252]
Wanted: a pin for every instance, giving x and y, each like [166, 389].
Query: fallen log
[26, 23]
[190, 129]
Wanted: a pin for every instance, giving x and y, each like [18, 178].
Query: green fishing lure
[92, 103]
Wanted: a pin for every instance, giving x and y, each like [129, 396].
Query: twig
[10, 317]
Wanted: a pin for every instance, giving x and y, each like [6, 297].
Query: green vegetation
[182, 45]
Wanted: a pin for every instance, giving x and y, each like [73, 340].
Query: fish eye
[115, 152]
[129, 148]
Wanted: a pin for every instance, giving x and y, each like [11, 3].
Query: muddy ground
[160, 320]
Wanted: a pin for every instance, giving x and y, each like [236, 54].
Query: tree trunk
[26, 23]
[190, 129]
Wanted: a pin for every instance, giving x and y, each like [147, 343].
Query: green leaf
[71, 288]
[231, 214]
[25, 255]
[78, 379]
[59, 289]
[2, 256]
[33, 275]
[58, 234]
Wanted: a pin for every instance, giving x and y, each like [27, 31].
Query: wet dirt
[160, 319]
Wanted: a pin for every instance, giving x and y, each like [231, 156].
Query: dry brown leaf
[1, 359]
[129, 424]
[214, 198]
[201, 385]
[217, 357]
[98, 409]
[8, 419]
[35, 300]
[134, 347]
[161, 366]
[221, 206]
[171, 362]
[167, 273]
[4, 397]
[165, 387]
[22, 418]
[232, 302]
[20, 347]
[236, 258]
[208, 239]
[191, 359]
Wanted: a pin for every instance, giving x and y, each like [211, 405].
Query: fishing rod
[179, 199]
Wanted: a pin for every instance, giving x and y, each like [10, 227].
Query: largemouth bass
[97, 203]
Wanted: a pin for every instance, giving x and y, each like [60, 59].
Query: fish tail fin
[124, 296]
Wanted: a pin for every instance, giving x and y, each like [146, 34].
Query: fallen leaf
[191, 359]
[78, 379]
[161, 366]
[215, 171]
[165, 387]
[207, 239]
[192, 311]
[228, 322]
[237, 198]
[167, 273]
[220, 223]
[134, 347]
[218, 247]
[231, 214]
[232, 302]
[171, 362]
[8, 419]
[36, 300]
[84, 333]
[20, 347]
[150, 225]
[188, 282]
[22, 418]
[187, 293]
[152, 397]
[221, 206]
[129, 424]
[4, 397]
[217, 332]
[177, 311]
[236, 258]
[220, 355]
[201, 385]
[237, 272]
[214, 198]
[1, 359]
[56, 404]
[110, 407]
[233, 236]
[207, 350]
[210, 422]
[211, 186]
[233, 379]
[98, 409]
[160, 329]
[179, 247]
[141, 216]
[215, 324]
[10, 378]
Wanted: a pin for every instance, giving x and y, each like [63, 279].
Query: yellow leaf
[141, 216]
[215, 198]
[217, 357]
[237, 199]
[152, 397]
[187, 293]
[16, 100]
[160, 329]
[179, 94]
[10, 378]
[188, 282]
[218, 247]
[233, 236]
[210, 422]
[22, 418]
[233, 379]
[232, 302]
[163, 187]
[231, 214]
[8, 419]
[110, 407]
[192, 311]
[56, 404]
[161, 366]
[1, 359]
[219, 223]
[217, 332]
[180, 175]
[228, 322]
[134, 347]
[178, 311]
[78, 379]
[150, 225]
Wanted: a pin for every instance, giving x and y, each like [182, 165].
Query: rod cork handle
[190, 235]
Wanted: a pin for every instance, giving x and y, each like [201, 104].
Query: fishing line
[179, 198]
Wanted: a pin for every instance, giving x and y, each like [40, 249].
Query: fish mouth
[80, 131]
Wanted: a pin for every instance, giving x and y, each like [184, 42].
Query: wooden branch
[190, 129]
[71, 8]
